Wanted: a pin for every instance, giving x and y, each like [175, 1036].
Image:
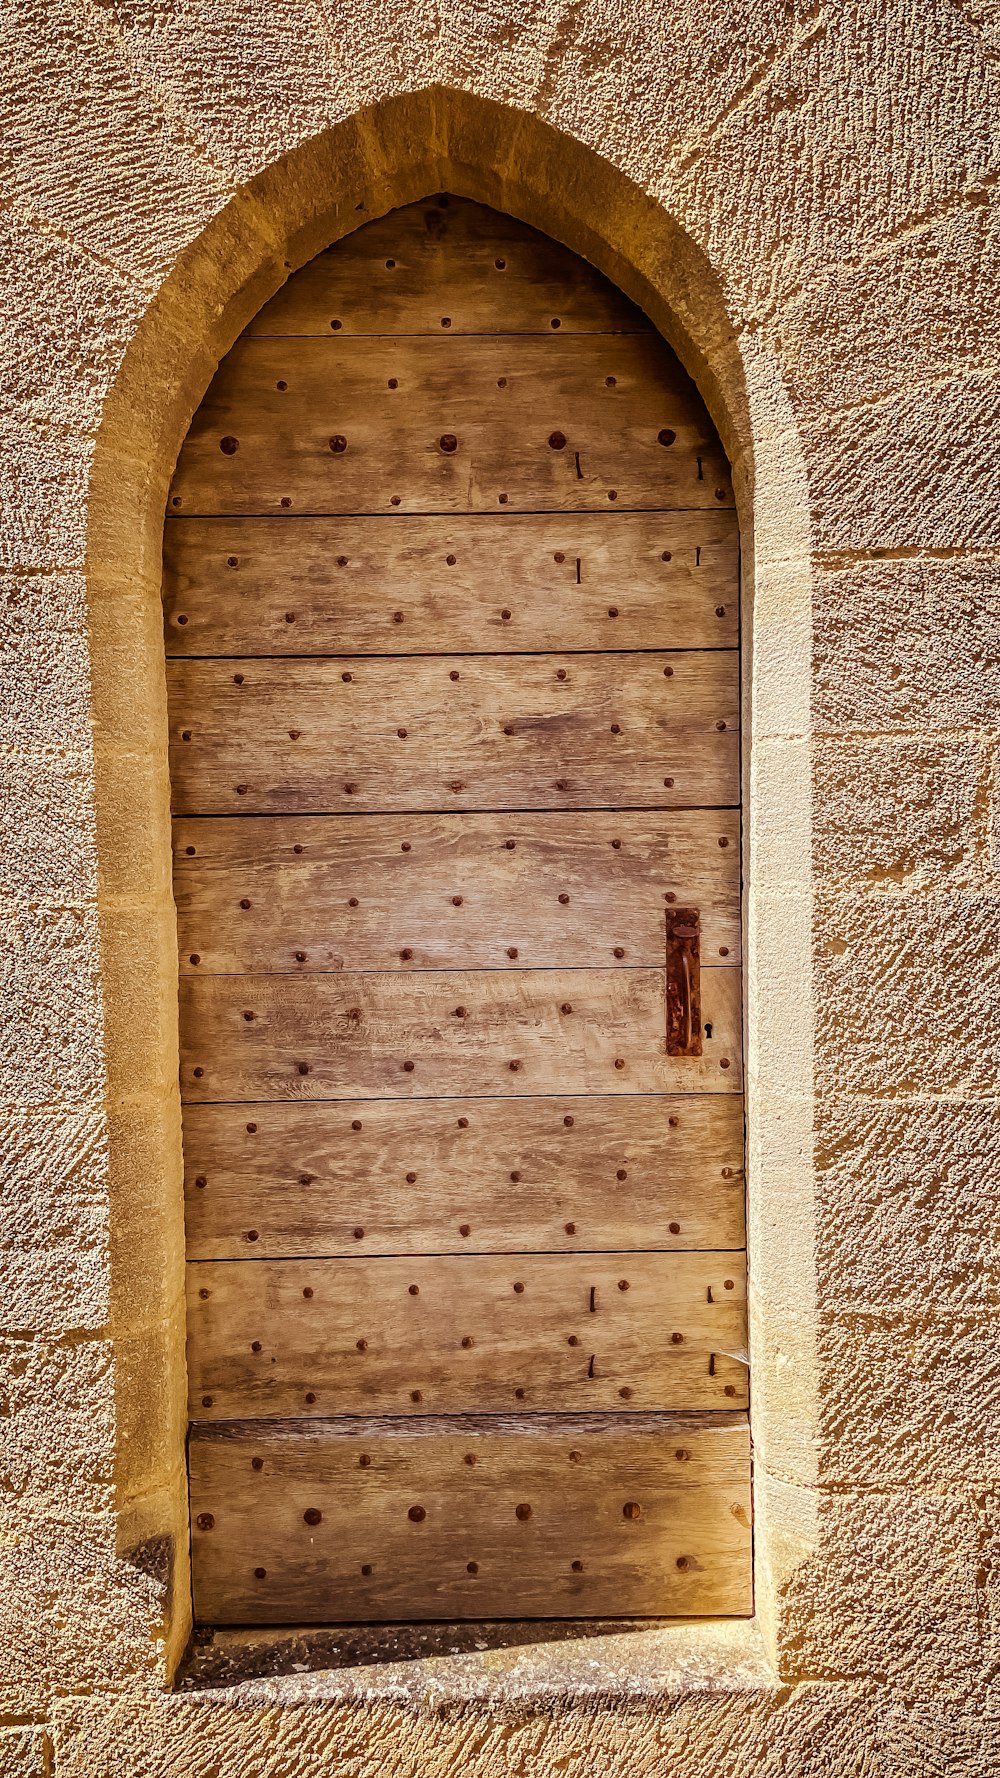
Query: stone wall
[804, 200]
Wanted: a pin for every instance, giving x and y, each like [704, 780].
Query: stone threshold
[509, 1663]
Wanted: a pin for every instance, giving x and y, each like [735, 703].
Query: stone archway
[384, 157]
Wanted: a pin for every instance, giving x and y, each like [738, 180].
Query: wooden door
[452, 632]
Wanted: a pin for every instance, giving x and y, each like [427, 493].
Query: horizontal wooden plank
[450, 425]
[366, 1520]
[358, 891]
[447, 1032]
[487, 1175]
[447, 264]
[486, 731]
[476, 1333]
[417, 585]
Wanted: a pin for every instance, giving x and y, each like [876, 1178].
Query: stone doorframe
[395, 153]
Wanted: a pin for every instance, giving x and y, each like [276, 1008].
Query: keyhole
[708, 1030]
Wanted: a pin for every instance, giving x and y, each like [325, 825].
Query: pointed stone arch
[391, 154]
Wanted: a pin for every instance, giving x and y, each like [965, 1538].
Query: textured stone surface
[805, 200]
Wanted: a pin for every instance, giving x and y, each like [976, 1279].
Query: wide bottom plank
[357, 1521]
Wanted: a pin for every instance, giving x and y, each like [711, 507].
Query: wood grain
[428, 585]
[454, 262]
[484, 1175]
[393, 1035]
[339, 438]
[505, 732]
[332, 892]
[467, 1552]
[476, 1333]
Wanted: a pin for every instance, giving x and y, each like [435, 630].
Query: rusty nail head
[674, 1227]
[312, 1515]
[417, 1513]
[665, 436]
[205, 1521]
[631, 1509]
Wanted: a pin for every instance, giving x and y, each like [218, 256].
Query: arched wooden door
[452, 626]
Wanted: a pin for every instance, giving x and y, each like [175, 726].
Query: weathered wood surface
[484, 1175]
[474, 1333]
[449, 1032]
[447, 266]
[486, 731]
[450, 425]
[401, 1524]
[416, 585]
[335, 892]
